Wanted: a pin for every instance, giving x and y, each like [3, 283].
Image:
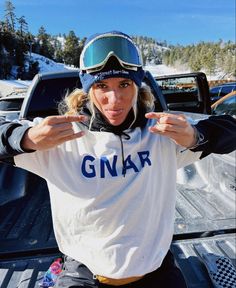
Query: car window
[181, 85]
[226, 90]
[49, 93]
[215, 93]
[10, 104]
[226, 107]
[180, 93]
[215, 90]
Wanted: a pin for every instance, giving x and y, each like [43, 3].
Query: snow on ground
[48, 65]
[13, 86]
[20, 86]
[161, 69]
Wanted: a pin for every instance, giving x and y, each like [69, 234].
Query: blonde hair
[74, 101]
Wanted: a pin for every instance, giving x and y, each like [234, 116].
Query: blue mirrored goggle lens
[96, 53]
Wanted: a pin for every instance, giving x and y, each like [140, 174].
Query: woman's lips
[115, 112]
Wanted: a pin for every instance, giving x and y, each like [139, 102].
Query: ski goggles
[97, 52]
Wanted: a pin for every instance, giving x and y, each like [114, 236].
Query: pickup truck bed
[26, 232]
[27, 272]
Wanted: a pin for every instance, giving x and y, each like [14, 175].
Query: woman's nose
[114, 96]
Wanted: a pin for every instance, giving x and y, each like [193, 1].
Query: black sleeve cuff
[218, 134]
[11, 135]
[16, 137]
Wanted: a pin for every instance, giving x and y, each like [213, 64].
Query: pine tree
[57, 46]
[10, 16]
[2, 26]
[195, 63]
[72, 49]
[44, 42]
[23, 26]
[166, 57]
[32, 71]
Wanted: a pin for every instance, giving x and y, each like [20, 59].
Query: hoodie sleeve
[11, 134]
[217, 134]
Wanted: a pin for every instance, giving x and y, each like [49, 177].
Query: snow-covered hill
[161, 69]
[48, 65]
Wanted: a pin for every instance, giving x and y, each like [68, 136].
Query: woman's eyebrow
[121, 81]
[125, 80]
[100, 81]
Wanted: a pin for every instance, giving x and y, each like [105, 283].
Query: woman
[110, 164]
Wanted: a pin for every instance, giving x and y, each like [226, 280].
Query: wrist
[26, 143]
[198, 138]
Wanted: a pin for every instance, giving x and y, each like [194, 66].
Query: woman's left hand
[174, 126]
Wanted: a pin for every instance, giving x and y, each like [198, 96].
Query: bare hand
[52, 131]
[174, 126]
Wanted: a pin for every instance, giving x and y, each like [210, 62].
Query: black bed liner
[27, 272]
[28, 246]
[26, 222]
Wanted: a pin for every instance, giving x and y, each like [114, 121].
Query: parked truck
[205, 209]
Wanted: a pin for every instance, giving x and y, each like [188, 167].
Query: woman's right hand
[52, 131]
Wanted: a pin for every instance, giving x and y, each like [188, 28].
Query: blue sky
[176, 21]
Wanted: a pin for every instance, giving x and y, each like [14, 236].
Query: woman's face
[114, 97]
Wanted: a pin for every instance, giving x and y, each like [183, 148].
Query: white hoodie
[117, 226]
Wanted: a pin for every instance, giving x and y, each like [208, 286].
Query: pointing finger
[167, 118]
[65, 119]
[155, 115]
